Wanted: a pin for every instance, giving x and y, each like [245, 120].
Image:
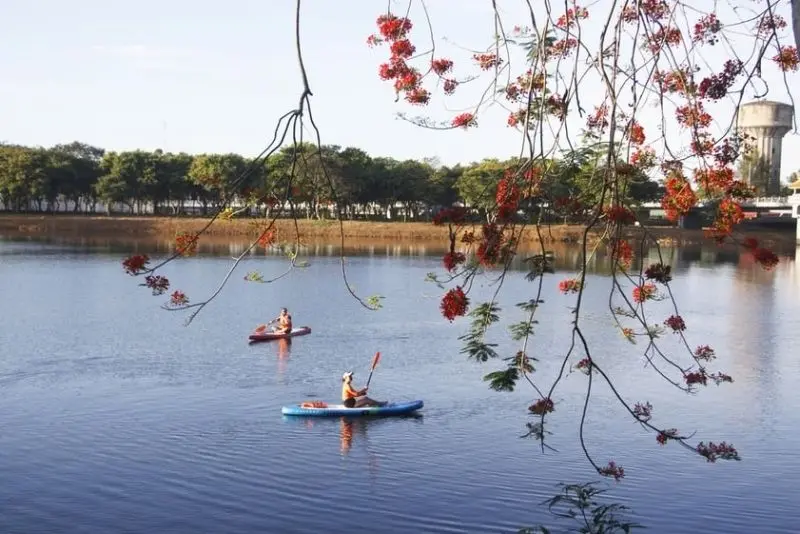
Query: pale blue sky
[210, 76]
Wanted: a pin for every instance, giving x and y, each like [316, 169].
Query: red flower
[178, 298]
[636, 134]
[450, 215]
[612, 470]
[136, 264]
[418, 96]
[157, 283]
[541, 407]
[704, 352]
[619, 214]
[441, 66]
[454, 304]
[658, 272]
[676, 323]
[392, 27]
[714, 451]
[570, 285]
[666, 435]
[644, 292]
[585, 366]
[765, 257]
[487, 61]
[787, 59]
[402, 49]
[186, 243]
[451, 260]
[465, 120]
[622, 250]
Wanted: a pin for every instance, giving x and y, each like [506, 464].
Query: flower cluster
[584, 366]
[643, 412]
[646, 291]
[136, 264]
[157, 283]
[675, 322]
[612, 470]
[570, 285]
[451, 260]
[659, 272]
[542, 406]
[186, 243]
[454, 304]
[714, 451]
[178, 298]
[666, 435]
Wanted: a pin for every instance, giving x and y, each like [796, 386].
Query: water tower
[768, 122]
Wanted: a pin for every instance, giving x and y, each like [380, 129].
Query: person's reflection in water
[284, 351]
[345, 435]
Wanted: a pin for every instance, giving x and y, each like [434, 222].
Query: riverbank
[14, 225]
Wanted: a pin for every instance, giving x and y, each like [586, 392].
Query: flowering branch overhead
[658, 106]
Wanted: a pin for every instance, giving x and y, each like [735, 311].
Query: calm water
[116, 418]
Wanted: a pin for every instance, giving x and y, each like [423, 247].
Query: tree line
[321, 183]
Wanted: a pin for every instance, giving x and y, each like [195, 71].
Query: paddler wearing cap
[355, 398]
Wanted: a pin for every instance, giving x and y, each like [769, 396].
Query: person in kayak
[356, 398]
[284, 322]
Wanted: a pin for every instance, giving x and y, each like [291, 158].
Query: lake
[114, 417]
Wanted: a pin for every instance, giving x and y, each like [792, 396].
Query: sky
[210, 76]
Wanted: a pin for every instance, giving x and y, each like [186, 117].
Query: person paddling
[354, 398]
[284, 322]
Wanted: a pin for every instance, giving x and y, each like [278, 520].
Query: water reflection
[566, 256]
[284, 351]
[752, 330]
[347, 428]
[281, 350]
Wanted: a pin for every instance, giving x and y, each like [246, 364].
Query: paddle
[375, 360]
[263, 327]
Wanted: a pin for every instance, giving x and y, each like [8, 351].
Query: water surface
[117, 418]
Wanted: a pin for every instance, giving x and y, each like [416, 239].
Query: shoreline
[324, 231]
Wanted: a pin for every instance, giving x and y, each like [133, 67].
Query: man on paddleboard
[353, 398]
[284, 322]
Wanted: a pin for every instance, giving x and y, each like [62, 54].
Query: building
[768, 122]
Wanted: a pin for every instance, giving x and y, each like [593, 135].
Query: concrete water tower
[768, 122]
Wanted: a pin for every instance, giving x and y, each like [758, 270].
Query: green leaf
[254, 276]
[374, 301]
[483, 315]
[530, 305]
[521, 330]
[504, 380]
[479, 351]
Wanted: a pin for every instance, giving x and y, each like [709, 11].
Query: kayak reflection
[351, 429]
[284, 351]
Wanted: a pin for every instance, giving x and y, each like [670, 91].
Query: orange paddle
[375, 360]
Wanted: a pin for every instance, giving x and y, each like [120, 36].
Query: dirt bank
[318, 231]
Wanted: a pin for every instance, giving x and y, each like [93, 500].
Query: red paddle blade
[376, 359]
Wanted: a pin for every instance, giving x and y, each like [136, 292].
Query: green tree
[215, 177]
[79, 169]
[477, 185]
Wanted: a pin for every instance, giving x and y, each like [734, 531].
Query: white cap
[347, 375]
